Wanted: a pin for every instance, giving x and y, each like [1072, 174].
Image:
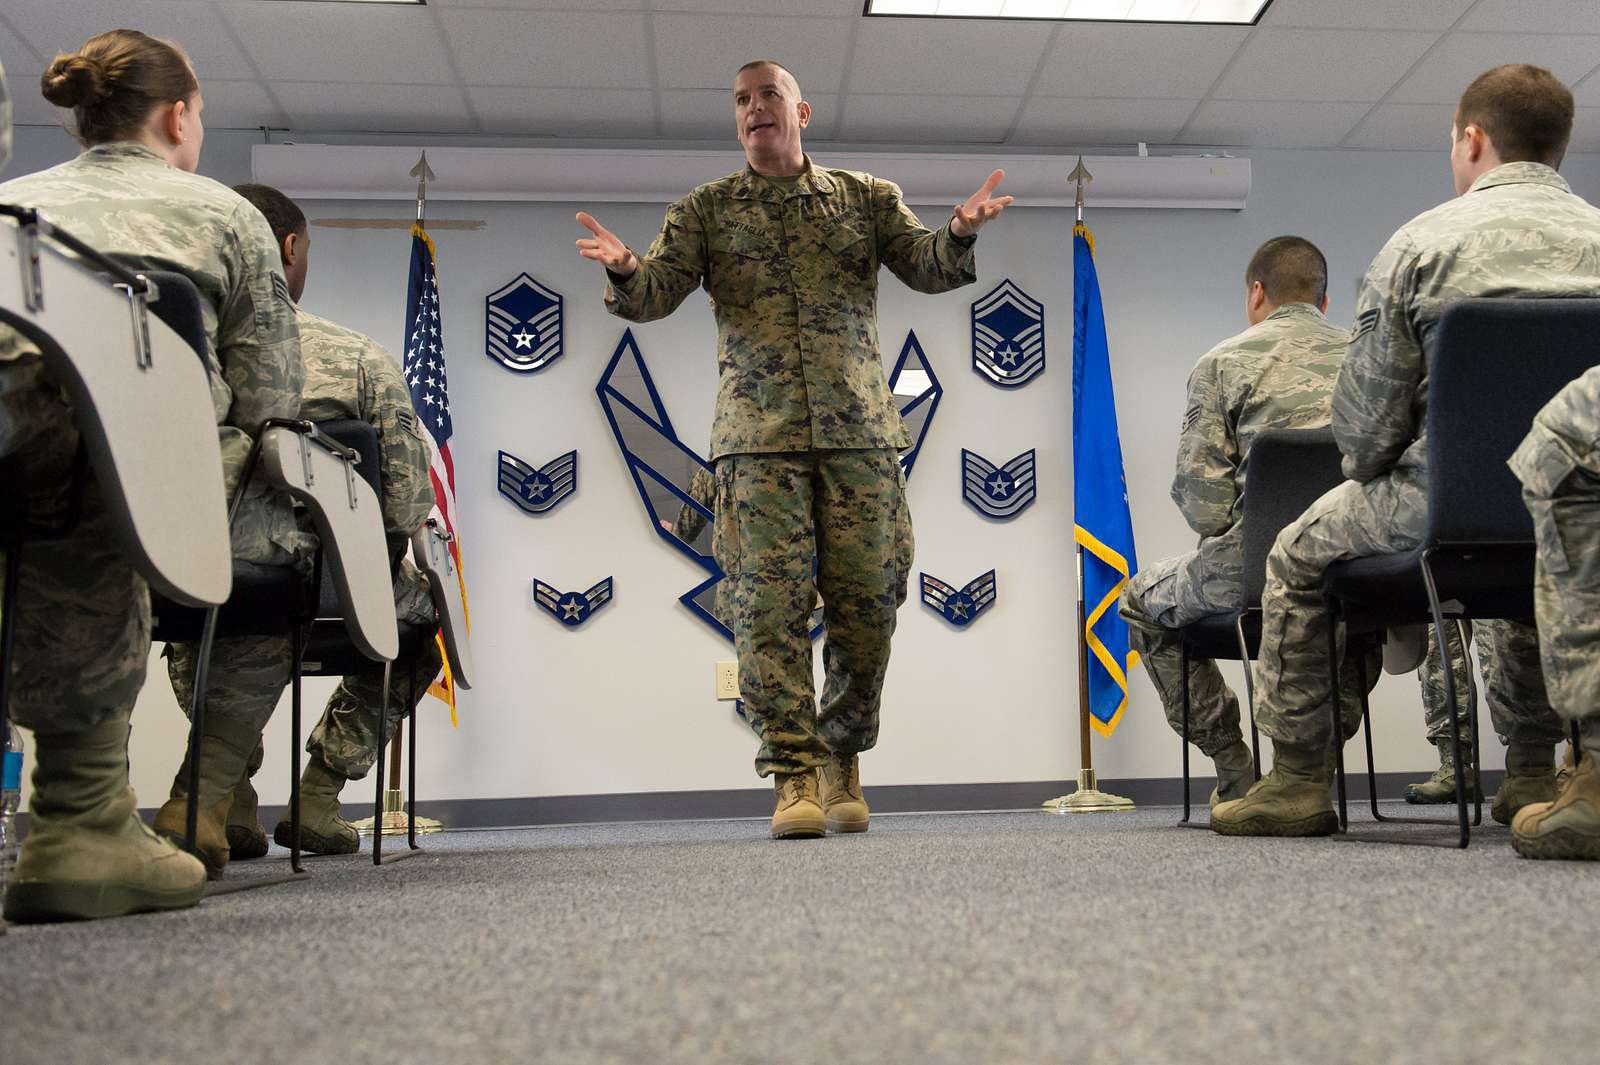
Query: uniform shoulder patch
[280, 287]
[1366, 322]
[1191, 416]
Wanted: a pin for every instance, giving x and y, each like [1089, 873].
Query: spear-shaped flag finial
[424, 174]
[1080, 174]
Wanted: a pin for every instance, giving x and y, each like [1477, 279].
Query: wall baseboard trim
[757, 802]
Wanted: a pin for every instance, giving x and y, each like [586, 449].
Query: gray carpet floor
[953, 938]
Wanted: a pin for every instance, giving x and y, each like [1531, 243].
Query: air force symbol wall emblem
[571, 608]
[536, 490]
[523, 324]
[1008, 336]
[960, 606]
[1000, 492]
[917, 391]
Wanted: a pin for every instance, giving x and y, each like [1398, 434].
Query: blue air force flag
[538, 489]
[1103, 527]
[522, 325]
[571, 608]
[960, 606]
[1008, 336]
[1000, 492]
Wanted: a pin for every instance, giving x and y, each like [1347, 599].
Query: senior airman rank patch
[959, 606]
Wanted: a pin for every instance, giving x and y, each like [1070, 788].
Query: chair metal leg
[1464, 628]
[377, 774]
[1366, 730]
[197, 718]
[411, 759]
[295, 650]
[8, 632]
[1338, 719]
[1183, 658]
[1449, 698]
[1249, 694]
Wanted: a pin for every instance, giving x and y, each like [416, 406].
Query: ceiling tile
[368, 108]
[353, 42]
[1420, 127]
[1546, 16]
[1051, 121]
[197, 27]
[1321, 64]
[704, 52]
[1103, 60]
[1461, 57]
[238, 105]
[1586, 130]
[1366, 14]
[563, 112]
[819, 8]
[565, 48]
[1272, 124]
[546, 5]
[707, 114]
[945, 56]
[921, 119]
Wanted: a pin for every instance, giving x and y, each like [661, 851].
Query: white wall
[624, 703]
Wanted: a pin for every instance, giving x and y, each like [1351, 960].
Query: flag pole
[394, 805]
[1088, 798]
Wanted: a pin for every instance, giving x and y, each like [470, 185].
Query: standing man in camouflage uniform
[806, 434]
[349, 376]
[1515, 230]
[1559, 467]
[83, 619]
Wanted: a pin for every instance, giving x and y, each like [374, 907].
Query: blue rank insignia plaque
[523, 325]
[917, 391]
[536, 490]
[1008, 336]
[571, 608]
[960, 606]
[1000, 492]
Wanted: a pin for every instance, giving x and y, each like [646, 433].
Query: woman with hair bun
[83, 622]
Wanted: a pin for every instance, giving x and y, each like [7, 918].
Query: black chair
[1288, 470]
[1495, 363]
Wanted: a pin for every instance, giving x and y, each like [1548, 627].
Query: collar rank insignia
[959, 605]
[538, 489]
[917, 391]
[1008, 336]
[1000, 492]
[523, 325]
[571, 608]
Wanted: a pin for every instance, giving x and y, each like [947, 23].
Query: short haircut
[1291, 269]
[283, 214]
[755, 63]
[1525, 110]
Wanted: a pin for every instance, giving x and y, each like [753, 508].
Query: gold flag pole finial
[424, 174]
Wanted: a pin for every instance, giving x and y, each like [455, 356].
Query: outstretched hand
[605, 248]
[980, 207]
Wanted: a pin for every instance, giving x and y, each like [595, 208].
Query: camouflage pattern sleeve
[1205, 486]
[1375, 416]
[926, 260]
[403, 448]
[667, 273]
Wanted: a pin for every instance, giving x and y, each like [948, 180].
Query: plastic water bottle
[10, 799]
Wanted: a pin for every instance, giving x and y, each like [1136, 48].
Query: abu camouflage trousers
[1435, 703]
[244, 681]
[774, 514]
[82, 634]
[1381, 516]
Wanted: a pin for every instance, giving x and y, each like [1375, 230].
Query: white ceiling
[1313, 73]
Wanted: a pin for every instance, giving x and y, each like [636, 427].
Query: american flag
[430, 395]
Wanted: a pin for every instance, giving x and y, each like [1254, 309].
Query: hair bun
[75, 81]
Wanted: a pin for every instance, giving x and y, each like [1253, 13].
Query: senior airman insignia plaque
[959, 606]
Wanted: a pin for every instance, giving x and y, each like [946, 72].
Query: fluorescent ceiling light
[402, 3]
[1231, 12]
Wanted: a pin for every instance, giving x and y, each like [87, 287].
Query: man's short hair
[283, 214]
[755, 63]
[1524, 109]
[1291, 269]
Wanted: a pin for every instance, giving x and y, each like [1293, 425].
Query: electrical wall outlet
[727, 680]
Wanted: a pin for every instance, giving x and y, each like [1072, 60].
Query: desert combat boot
[224, 752]
[1292, 800]
[844, 809]
[1530, 778]
[798, 815]
[246, 838]
[1441, 787]
[89, 855]
[1569, 827]
[322, 829]
[1236, 771]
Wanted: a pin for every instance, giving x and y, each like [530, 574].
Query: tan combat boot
[322, 830]
[798, 814]
[224, 752]
[1441, 787]
[1292, 800]
[89, 855]
[1530, 778]
[246, 838]
[1236, 771]
[1569, 827]
[844, 809]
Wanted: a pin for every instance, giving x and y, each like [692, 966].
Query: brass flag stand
[1088, 798]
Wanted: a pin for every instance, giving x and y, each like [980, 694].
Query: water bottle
[10, 799]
